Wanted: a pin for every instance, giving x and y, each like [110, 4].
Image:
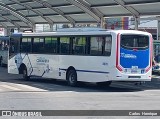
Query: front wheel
[72, 77]
[25, 74]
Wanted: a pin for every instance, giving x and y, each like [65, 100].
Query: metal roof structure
[26, 13]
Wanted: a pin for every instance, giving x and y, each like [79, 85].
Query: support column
[5, 32]
[102, 22]
[34, 27]
[18, 29]
[136, 23]
[73, 25]
[51, 27]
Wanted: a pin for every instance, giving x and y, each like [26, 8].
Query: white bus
[87, 55]
[4, 44]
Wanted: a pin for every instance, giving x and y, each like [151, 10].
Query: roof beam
[35, 11]
[74, 13]
[3, 25]
[150, 18]
[113, 15]
[128, 8]
[126, 4]
[55, 22]
[46, 4]
[55, 14]
[142, 2]
[16, 14]
[94, 10]
[20, 9]
[55, 6]
[104, 5]
[150, 13]
[9, 20]
[85, 8]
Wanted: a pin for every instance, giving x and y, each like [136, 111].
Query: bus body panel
[133, 59]
[55, 66]
[88, 68]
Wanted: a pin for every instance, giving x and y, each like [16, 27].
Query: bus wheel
[104, 84]
[72, 77]
[25, 74]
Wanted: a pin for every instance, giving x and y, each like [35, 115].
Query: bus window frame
[87, 49]
[131, 48]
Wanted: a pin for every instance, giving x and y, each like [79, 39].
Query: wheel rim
[72, 78]
[24, 73]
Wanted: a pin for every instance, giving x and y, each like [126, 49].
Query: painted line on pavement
[10, 87]
[30, 87]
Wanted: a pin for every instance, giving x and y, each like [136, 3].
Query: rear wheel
[72, 77]
[25, 74]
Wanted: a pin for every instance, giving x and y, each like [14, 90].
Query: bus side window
[25, 45]
[108, 44]
[38, 45]
[64, 45]
[14, 45]
[79, 45]
[3, 45]
[50, 45]
[96, 46]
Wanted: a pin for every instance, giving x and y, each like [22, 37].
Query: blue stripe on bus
[89, 71]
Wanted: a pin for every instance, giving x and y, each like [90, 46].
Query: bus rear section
[133, 57]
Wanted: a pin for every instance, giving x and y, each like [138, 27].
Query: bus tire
[25, 74]
[104, 84]
[72, 77]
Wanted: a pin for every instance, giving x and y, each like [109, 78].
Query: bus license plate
[134, 69]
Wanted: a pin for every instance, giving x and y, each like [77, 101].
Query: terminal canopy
[26, 13]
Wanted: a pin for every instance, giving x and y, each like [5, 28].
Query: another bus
[156, 47]
[4, 44]
[79, 54]
[156, 56]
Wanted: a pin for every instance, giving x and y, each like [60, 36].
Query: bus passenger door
[14, 56]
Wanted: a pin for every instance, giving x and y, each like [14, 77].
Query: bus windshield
[139, 42]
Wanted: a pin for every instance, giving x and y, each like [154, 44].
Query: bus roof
[79, 31]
